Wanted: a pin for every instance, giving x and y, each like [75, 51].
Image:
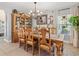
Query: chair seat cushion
[30, 42]
[22, 40]
[45, 47]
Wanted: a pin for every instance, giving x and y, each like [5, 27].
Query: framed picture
[41, 19]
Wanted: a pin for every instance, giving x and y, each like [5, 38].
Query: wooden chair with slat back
[43, 44]
[21, 37]
[53, 30]
[30, 40]
[59, 45]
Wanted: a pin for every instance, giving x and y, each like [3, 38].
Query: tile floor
[69, 50]
[12, 49]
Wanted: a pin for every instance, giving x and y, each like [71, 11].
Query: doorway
[2, 24]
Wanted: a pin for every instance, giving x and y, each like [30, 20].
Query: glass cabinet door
[23, 22]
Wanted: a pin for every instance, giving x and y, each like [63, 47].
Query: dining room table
[54, 38]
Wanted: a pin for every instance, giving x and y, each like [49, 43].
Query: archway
[2, 24]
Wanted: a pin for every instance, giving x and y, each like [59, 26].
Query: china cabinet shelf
[18, 21]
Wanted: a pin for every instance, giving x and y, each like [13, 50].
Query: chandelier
[35, 12]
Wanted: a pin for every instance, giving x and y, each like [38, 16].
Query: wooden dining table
[53, 37]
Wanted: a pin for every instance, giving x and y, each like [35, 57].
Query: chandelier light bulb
[38, 11]
[31, 11]
[41, 12]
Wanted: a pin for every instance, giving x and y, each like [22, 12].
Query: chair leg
[27, 47]
[53, 50]
[50, 52]
[32, 50]
[24, 46]
[20, 44]
[39, 51]
[58, 51]
[62, 48]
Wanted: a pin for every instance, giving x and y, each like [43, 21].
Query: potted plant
[74, 20]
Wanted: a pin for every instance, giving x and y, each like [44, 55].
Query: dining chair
[26, 37]
[30, 40]
[59, 45]
[53, 30]
[21, 37]
[43, 43]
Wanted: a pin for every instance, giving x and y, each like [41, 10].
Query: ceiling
[43, 6]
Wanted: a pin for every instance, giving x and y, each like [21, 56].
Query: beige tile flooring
[69, 50]
[12, 49]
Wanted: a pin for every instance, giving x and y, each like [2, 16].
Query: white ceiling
[43, 6]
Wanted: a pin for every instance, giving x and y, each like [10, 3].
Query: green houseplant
[74, 20]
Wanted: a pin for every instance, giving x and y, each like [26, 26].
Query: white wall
[8, 11]
[48, 15]
[7, 23]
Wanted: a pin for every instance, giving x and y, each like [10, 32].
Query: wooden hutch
[19, 20]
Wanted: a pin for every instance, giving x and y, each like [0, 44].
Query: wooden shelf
[19, 20]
